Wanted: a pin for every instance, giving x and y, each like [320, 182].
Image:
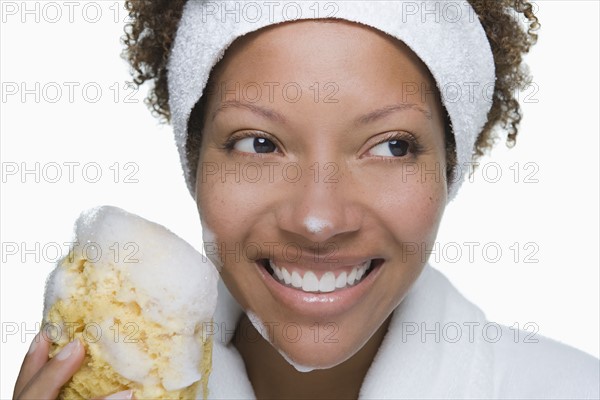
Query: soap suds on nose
[315, 225]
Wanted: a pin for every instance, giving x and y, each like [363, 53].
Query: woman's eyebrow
[362, 120]
[262, 111]
[392, 108]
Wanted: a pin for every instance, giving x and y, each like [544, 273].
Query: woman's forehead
[319, 46]
[341, 62]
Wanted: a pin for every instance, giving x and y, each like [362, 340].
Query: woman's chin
[309, 355]
[304, 362]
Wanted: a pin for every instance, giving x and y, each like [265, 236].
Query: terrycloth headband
[446, 35]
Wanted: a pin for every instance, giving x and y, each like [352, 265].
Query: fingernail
[34, 344]
[124, 395]
[68, 350]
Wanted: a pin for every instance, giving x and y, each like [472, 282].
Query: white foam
[315, 225]
[260, 327]
[57, 287]
[297, 366]
[173, 284]
[210, 244]
[136, 364]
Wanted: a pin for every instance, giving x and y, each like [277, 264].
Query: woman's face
[322, 154]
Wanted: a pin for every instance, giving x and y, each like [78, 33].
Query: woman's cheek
[426, 208]
[226, 199]
[229, 209]
[408, 200]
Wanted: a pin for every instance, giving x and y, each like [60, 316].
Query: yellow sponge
[140, 317]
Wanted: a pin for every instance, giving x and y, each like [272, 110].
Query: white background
[558, 214]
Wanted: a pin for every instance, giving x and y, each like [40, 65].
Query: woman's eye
[391, 148]
[255, 145]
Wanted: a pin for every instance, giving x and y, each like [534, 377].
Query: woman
[318, 241]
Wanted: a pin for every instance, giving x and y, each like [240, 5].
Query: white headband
[446, 35]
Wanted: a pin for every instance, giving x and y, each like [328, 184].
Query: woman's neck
[272, 377]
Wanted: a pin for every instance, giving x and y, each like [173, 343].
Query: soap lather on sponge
[140, 299]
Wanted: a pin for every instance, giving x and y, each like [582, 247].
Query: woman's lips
[318, 303]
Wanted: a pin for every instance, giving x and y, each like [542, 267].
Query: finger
[36, 357]
[46, 383]
[124, 395]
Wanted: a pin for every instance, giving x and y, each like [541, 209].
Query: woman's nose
[320, 207]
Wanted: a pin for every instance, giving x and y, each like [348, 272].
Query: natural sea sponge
[141, 300]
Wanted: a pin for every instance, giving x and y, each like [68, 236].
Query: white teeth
[310, 283]
[361, 272]
[287, 278]
[340, 282]
[328, 282]
[278, 273]
[352, 276]
[296, 280]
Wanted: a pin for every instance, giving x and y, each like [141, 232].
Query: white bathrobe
[438, 345]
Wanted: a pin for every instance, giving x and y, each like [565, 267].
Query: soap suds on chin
[315, 225]
[260, 327]
[298, 367]
[209, 241]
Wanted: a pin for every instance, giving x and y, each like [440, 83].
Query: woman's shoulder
[528, 366]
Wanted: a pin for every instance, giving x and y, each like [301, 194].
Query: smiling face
[322, 178]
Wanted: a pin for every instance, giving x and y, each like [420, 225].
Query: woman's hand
[41, 378]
